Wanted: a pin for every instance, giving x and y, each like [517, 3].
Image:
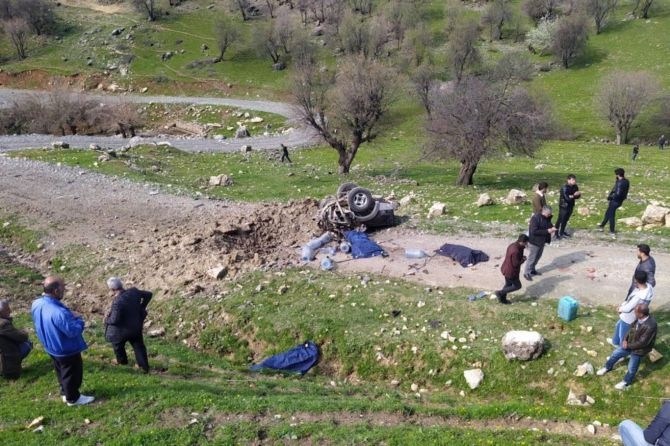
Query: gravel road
[295, 136]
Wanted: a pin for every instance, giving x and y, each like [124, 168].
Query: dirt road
[172, 242]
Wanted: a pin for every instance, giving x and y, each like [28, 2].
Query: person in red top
[511, 268]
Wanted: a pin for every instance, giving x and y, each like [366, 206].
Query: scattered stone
[582, 399]
[591, 428]
[218, 272]
[474, 377]
[395, 383]
[282, 289]
[279, 66]
[540, 167]
[485, 200]
[550, 371]
[654, 355]
[242, 132]
[156, 333]
[583, 211]
[631, 222]
[36, 422]
[220, 180]
[516, 196]
[584, 369]
[94, 147]
[60, 145]
[444, 335]
[245, 148]
[414, 387]
[655, 215]
[407, 199]
[436, 210]
[39, 429]
[144, 89]
[87, 421]
[117, 31]
[256, 119]
[522, 345]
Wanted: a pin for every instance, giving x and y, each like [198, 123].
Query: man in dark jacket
[125, 321]
[638, 343]
[616, 197]
[657, 434]
[511, 268]
[566, 204]
[540, 231]
[14, 344]
[646, 264]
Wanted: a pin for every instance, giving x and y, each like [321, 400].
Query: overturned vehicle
[354, 206]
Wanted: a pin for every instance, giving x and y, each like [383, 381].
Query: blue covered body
[298, 359]
[362, 246]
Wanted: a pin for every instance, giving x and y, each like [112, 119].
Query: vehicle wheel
[360, 201]
[369, 216]
[344, 189]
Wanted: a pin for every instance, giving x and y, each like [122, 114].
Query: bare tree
[344, 109]
[662, 117]
[538, 10]
[226, 33]
[362, 6]
[284, 29]
[600, 10]
[266, 42]
[38, 14]
[462, 50]
[480, 117]
[424, 80]
[148, 7]
[242, 6]
[272, 5]
[401, 16]
[366, 36]
[569, 38]
[326, 11]
[497, 13]
[644, 6]
[621, 98]
[18, 31]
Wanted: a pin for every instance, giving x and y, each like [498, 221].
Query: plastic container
[415, 253]
[328, 250]
[567, 308]
[327, 264]
[307, 254]
[317, 243]
[345, 247]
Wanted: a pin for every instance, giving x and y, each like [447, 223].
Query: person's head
[640, 277]
[572, 180]
[643, 251]
[522, 240]
[54, 287]
[542, 186]
[547, 211]
[5, 311]
[114, 284]
[619, 172]
[642, 311]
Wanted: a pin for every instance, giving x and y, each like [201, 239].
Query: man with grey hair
[14, 344]
[125, 320]
[540, 230]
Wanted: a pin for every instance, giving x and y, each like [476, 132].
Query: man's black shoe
[504, 301]
[535, 273]
[528, 277]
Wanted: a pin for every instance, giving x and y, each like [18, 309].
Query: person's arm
[566, 198]
[145, 298]
[658, 425]
[629, 305]
[650, 268]
[114, 316]
[12, 333]
[70, 325]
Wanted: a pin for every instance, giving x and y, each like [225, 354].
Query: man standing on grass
[566, 204]
[539, 199]
[642, 293]
[540, 231]
[60, 332]
[616, 197]
[511, 268]
[661, 142]
[14, 344]
[638, 343]
[125, 321]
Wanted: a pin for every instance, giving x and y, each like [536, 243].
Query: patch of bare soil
[94, 5]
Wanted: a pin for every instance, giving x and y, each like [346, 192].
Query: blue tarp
[362, 246]
[462, 254]
[299, 359]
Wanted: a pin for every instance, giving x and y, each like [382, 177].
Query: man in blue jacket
[60, 332]
[658, 432]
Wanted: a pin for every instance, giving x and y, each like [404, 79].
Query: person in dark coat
[639, 341]
[636, 151]
[616, 197]
[661, 142]
[646, 264]
[540, 231]
[284, 154]
[125, 321]
[511, 268]
[566, 204]
[14, 344]
[657, 433]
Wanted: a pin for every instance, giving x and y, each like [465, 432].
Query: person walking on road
[125, 321]
[615, 198]
[284, 154]
[566, 204]
[540, 231]
[511, 268]
[60, 333]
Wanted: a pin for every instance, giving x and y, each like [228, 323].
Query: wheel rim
[360, 200]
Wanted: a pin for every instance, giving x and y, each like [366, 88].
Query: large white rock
[407, 199]
[436, 210]
[632, 222]
[484, 200]
[516, 196]
[654, 215]
[221, 180]
[523, 345]
[474, 377]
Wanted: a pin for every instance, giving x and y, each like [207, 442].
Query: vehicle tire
[370, 215]
[344, 189]
[360, 201]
